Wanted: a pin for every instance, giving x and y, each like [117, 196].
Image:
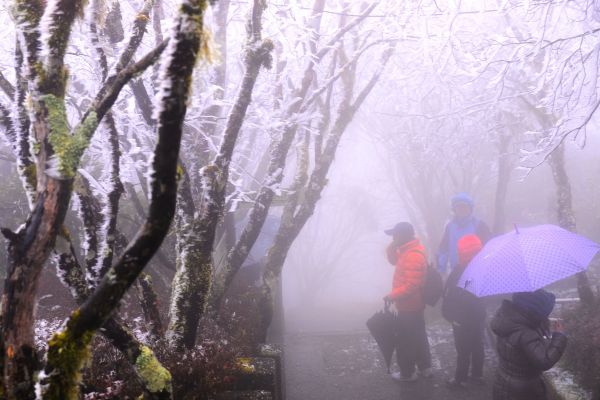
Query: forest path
[349, 366]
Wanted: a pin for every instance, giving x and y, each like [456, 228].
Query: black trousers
[468, 340]
[412, 348]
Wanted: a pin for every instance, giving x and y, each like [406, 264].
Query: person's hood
[510, 318]
[468, 246]
[540, 302]
[462, 198]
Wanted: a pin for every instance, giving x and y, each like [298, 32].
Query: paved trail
[348, 366]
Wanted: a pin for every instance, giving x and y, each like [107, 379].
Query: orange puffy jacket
[409, 277]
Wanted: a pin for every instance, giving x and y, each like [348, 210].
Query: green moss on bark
[156, 377]
[67, 148]
[29, 174]
[66, 356]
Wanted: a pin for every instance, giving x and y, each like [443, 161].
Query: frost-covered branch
[108, 230]
[27, 15]
[362, 95]
[143, 100]
[277, 159]
[149, 303]
[192, 279]
[6, 86]
[71, 274]
[21, 123]
[111, 210]
[137, 34]
[7, 124]
[334, 77]
[55, 28]
[566, 217]
[110, 91]
[300, 179]
[69, 269]
[218, 78]
[68, 350]
[279, 150]
[347, 28]
[90, 212]
[289, 230]
[325, 109]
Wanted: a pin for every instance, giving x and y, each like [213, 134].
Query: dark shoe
[454, 384]
[398, 377]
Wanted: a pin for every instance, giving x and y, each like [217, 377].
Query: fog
[195, 192]
[361, 201]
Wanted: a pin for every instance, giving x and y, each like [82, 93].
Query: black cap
[402, 229]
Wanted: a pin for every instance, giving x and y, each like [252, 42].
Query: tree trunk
[29, 248]
[149, 303]
[566, 217]
[504, 169]
[191, 283]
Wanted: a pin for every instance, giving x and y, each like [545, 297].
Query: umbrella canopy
[383, 328]
[527, 259]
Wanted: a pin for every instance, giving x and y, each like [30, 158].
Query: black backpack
[462, 306]
[434, 285]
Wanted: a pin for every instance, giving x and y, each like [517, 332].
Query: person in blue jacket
[462, 223]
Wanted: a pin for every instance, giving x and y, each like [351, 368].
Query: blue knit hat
[540, 302]
[462, 197]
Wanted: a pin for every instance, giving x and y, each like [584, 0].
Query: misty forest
[300, 199]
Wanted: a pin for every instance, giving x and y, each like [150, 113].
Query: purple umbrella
[527, 259]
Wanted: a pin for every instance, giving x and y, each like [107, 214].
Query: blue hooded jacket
[457, 228]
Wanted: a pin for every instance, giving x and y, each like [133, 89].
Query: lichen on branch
[67, 353]
[68, 148]
[156, 377]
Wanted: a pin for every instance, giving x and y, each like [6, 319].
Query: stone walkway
[349, 366]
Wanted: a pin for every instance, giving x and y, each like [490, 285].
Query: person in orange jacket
[408, 256]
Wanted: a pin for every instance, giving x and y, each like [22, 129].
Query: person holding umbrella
[522, 262]
[526, 347]
[408, 256]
